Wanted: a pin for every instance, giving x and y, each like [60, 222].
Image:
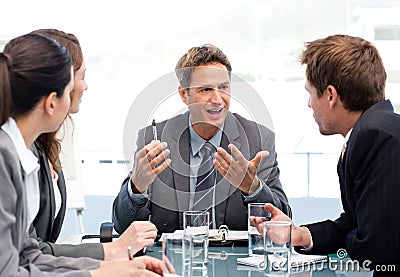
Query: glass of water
[256, 239]
[177, 255]
[195, 223]
[277, 247]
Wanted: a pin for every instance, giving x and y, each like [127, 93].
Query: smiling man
[206, 159]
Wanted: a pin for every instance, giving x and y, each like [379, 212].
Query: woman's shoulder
[7, 148]
[9, 161]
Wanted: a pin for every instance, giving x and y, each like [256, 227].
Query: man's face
[321, 110]
[208, 98]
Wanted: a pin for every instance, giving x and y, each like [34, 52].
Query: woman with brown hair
[48, 222]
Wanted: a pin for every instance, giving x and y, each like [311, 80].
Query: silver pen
[154, 130]
[145, 248]
[130, 256]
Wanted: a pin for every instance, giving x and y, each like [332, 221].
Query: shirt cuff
[254, 195]
[137, 197]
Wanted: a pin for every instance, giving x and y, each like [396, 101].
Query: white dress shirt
[57, 194]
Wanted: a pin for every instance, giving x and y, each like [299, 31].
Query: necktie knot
[207, 149]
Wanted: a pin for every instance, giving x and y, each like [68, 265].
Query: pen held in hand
[153, 124]
[130, 256]
[145, 248]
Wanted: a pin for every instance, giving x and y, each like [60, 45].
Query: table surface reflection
[222, 262]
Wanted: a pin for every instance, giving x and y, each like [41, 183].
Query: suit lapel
[47, 201]
[223, 188]
[59, 217]
[180, 160]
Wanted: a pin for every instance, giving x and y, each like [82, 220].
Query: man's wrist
[134, 188]
[255, 195]
[302, 237]
[249, 190]
[255, 185]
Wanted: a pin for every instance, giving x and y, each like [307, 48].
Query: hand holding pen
[149, 162]
[138, 235]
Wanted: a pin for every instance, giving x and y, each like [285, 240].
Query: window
[136, 44]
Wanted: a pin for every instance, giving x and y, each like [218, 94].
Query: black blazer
[169, 193]
[369, 176]
[45, 228]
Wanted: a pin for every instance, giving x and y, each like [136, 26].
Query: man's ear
[333, 95]
[50, 103]
[183, 93]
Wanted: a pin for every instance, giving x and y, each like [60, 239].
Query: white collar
[28, 160]
[346, 138]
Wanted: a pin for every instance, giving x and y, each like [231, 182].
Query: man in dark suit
[346, 83]
[164, 182]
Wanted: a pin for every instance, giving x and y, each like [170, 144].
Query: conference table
[222, 262]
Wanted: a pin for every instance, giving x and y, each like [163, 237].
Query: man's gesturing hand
[239, 172]
[149, 162]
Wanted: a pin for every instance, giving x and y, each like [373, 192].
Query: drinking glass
[177, 255]
[277, 247]
[195, 223]
[256, 240]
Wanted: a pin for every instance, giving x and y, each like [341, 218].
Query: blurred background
[129, 45]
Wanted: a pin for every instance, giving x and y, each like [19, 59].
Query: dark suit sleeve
[370, 226]
[127, 209]
[268, 173]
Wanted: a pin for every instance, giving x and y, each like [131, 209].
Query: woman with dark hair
[48, 222]
[35, 83]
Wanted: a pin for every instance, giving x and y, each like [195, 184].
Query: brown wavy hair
[49, 142]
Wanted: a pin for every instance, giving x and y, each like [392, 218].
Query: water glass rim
[196, 212]
[278, 223]
[176, 235]
[256, 204]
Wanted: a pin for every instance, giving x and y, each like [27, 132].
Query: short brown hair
[197, 56]
[351, 64]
